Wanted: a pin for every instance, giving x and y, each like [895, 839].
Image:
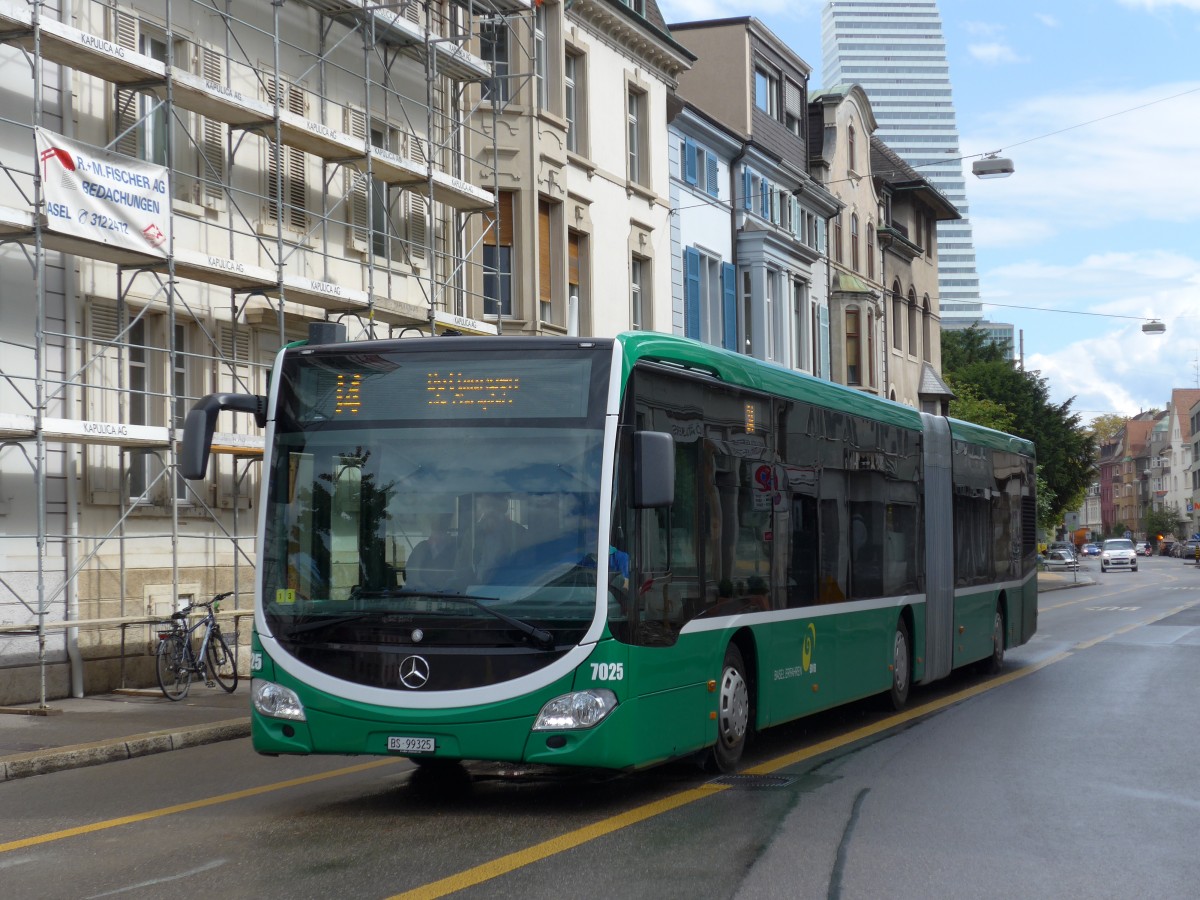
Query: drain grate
[754, 782]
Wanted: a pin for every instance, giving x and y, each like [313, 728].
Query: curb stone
[42, 762]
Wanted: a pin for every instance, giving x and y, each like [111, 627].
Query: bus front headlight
[580, 709]
[275, 700]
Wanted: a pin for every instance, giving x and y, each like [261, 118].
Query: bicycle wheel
[221, 664]
[171, 666]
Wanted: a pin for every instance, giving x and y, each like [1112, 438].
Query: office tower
[896, 51]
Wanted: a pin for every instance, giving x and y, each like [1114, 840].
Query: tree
[1161, 522]
[1104, 428]
[1066, 452]
[970, 407]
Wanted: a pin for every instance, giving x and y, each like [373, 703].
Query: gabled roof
[1182, 400]
[888, 167]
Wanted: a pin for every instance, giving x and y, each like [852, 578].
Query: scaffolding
[317, 166]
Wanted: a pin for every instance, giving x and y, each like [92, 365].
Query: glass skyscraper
[895, 50]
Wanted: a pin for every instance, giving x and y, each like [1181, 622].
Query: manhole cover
[754, 782]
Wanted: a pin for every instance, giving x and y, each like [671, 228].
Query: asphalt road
[1070, 775]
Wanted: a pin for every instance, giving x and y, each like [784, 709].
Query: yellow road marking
[560, 844]
[185, 807]
[505, 864]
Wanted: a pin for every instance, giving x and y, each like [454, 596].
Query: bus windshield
[451, 502]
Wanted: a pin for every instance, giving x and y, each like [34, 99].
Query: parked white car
[1118, 553]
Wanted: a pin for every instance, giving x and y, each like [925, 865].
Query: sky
[1097, 103]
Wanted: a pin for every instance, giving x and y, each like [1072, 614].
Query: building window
[837, 238]
[897, 317]
[926, 330]
[747, 313]
[549, 223]
[853, 348]
[766, 91]
[930, 244]
[870, 249]
[800, 358]
[871, 349]
[540, 62]
[854, 241]
[699, 167]
[637, 293]
[181, 399]
[493, 48]
[793, 107]
[137, 469]
[571, 66]
[851, 150]
[498, 258]
[914, 332]
[287, 178]
[576, 320]
[638, 6]
[635, 119]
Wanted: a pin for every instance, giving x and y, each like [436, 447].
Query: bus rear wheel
[733, 712]
[901, 666]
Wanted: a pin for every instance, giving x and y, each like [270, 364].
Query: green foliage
[1104, 428]
[1066, 453]
[1161, 522]
[1047, 516]
[970, 407]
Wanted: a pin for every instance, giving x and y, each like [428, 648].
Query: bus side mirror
[201, 422]
[653, 469]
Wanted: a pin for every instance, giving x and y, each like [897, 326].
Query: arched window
[854, 241]
[837, 238]
[850, 150]
[914, 332]
[897, 316]
[926, 329]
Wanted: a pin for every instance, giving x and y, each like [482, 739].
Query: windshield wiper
[540, 636]
[333, 622]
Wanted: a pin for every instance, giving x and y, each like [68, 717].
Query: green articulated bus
[608, 552]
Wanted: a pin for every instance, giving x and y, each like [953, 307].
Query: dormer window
[638, 6]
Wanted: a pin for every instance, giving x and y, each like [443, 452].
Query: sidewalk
[109, 727]
[1053, 581]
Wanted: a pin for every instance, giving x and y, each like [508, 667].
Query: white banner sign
[104, 196]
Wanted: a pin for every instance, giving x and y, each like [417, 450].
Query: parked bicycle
[200, 649]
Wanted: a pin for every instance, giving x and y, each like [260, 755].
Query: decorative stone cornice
[628, 31]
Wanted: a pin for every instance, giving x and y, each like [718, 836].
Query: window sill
[582, 162]
[633, 188]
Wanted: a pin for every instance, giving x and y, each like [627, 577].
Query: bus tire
[733, 713]
[901, 666]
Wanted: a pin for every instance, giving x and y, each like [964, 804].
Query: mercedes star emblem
[414, 672]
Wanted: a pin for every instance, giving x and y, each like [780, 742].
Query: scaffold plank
[218, 270]
[322, 294]
[67, 45]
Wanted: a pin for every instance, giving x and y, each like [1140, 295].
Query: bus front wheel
[733, 712]
[901, 666]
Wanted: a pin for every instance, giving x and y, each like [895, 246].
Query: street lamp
[1153, 327]
[992, 166]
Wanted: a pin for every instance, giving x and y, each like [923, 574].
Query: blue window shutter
[689, 160]
[746, 188]
[729, 306]
[710, 182]
[691, 293]
[764, 198]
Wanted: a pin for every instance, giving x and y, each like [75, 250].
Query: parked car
[1091, 549]
[1118, 553]
[1187, 550]
[1060, 559]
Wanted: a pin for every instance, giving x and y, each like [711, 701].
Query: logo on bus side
[807, 667]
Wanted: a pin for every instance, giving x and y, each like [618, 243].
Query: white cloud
[763, 10]
[1152, 5]
[1102, 357]
[1046, 19]
[982, 29]
[1131, 162]
[994, 53]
